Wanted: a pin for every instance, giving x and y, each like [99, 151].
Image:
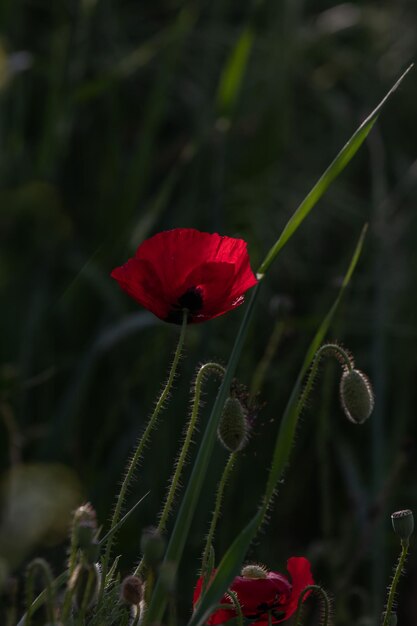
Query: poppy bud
[254, 571]
[85, 514]
[403, 524]
[85, 583]
[132, 590]
[356, 396]
[233, 427]
[152, 544]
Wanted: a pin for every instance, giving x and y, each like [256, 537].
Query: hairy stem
[42, 565]
[214, 519]
[393, 587]
[140, 447]
[203, 371]
[324, 604]
[327, 349]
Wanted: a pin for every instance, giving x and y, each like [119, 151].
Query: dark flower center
[192, 300]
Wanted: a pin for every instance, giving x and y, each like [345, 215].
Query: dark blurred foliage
[119, 119]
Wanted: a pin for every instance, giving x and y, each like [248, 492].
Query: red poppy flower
[186, 269]
[259, 596]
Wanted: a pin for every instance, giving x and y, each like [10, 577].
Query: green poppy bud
[254, 571]
[233, 427]
[403, 524]
[356, 396]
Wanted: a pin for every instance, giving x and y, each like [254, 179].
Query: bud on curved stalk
[233, 427]
[356, 396]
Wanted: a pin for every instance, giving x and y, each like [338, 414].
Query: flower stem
[393, 587]
[141, 445]
[324, 350]
[324, 600]
[203, 371]
[42, 565]
[174, 482]
[214, 519]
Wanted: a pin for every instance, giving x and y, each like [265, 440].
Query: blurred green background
[120, 119]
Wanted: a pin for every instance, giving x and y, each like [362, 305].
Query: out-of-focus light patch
[12, 64]
[338, 18]
[37, 501]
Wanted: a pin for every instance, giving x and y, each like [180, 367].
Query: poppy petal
[301, 577]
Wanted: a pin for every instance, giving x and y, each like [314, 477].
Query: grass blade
[332, 172]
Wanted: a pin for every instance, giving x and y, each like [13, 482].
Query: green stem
[140, 447]
[237, 607]
[325, 604]
[43, 566]
[174, 483]
[393, 588]
[214, 519]
[189, 503]
[66, 605]
[204, 370]
[327, 349]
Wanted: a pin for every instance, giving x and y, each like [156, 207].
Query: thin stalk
[235, 601]
[174, 483]
[393, 588]
[43, 566]
[206, 368]
[214, 519]
[324, 604]
[140, 447]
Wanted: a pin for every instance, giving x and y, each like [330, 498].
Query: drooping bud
[233, 427]
[254, 571]
[356, 396]
[403, 524]
[85, 583]
[152, 544]
[132, 590]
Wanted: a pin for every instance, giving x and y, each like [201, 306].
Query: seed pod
[254, 571]
[403, 524]
[233, 427]
[132, 590]
[356, 396]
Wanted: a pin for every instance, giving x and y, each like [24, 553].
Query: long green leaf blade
[334, 169]
[235, 555]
